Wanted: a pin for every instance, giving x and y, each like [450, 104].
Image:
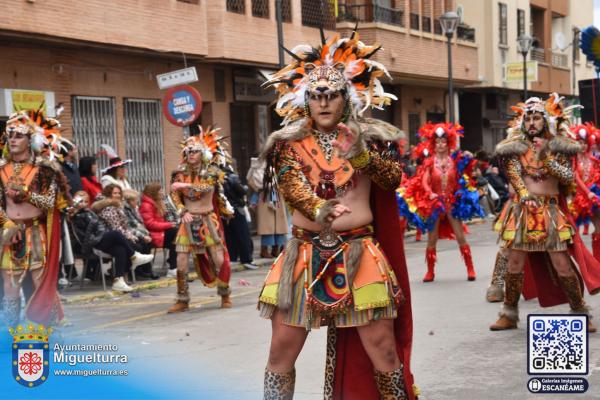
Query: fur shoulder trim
[294, 131]
[564, 145]
[102, 204]
[45, 163]
[511, 147]
[376, 130]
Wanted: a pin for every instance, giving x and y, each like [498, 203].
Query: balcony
[370, 13]
[464, 32]
[538, 54]
[560, 60]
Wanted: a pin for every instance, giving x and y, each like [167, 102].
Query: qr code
[557, 344]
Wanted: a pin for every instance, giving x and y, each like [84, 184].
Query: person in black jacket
[69, 167]
[237, 232]
[92, 233]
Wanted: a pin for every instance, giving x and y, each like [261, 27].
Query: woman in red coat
[162, 232]
[87, 171]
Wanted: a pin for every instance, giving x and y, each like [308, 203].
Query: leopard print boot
[279, 386]
[391, 385]
[572, 289]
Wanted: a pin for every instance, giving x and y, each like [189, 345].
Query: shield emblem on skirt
[31, 363]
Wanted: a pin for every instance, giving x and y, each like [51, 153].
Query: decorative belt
[330, 238]
[543, 199]
[27, 223]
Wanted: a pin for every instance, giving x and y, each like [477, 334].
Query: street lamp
[524, 45]
[449, 22]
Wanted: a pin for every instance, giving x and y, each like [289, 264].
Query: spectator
[92, 233]
[89, 181]
[110, 210]
[116, 172]
[136, 225]
[272, 223]
[482, 188]
[154, 210]
[69, 167]
[499, 184]
[237, 232]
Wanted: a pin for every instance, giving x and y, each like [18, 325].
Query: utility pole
[279, 32]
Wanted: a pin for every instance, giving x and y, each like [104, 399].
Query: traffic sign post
[182, 105]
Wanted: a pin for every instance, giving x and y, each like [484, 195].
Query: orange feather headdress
[209, 143]
[340, 64]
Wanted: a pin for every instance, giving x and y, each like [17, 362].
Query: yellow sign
[513, 72]
[28, 99]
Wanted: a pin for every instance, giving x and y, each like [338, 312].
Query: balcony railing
[538, 54]
[370, 13]
[560, 60]
[465, 33]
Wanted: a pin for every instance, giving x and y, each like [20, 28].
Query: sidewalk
[93, 290]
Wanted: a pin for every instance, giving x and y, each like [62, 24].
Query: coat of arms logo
[30, 354]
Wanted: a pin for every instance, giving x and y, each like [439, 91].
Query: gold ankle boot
[279, 386]
[509, 314]
[391, 385]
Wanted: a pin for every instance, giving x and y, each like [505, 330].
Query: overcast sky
[596, 12]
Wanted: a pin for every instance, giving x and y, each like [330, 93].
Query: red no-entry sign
[182, 105]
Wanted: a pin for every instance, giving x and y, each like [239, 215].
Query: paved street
[455, 356]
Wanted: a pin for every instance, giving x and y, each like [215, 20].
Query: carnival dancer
[585, 205]
[536, 228]
[442, 193]
[197, 191]
[338, 171]
[33, 192]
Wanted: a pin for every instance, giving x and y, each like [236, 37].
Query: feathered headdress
[336, 65]
[44, 132]
[557, 118]
[209, 143]
[586, 133]
[429, 132]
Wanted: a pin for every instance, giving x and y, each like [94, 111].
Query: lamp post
[449, 22]
[524, 45]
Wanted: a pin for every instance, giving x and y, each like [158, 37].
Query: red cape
[539, 280]
[39, 308]
[353, 377]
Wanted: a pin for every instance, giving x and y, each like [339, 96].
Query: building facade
[98, 60]
[555, 62]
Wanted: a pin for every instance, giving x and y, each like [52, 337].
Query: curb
[101, 294]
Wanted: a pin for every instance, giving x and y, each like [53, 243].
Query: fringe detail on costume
[285, 288]
[214, 233]
[553, 240]
[511, 313]
[36, 245]
[7, 234]
[355, 252]
[563, 145]
[511, 147]
[330, 362]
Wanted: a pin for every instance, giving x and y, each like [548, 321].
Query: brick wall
[153, 24]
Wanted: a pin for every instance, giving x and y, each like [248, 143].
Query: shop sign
[182, 105]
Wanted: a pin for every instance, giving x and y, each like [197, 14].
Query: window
[220, 85]
[144, 141]
[502, 26]
[520, 22]
[414, 123]
[93, 125]
[286, 10]
[318, 13]
[260, 8]
[236, 6]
